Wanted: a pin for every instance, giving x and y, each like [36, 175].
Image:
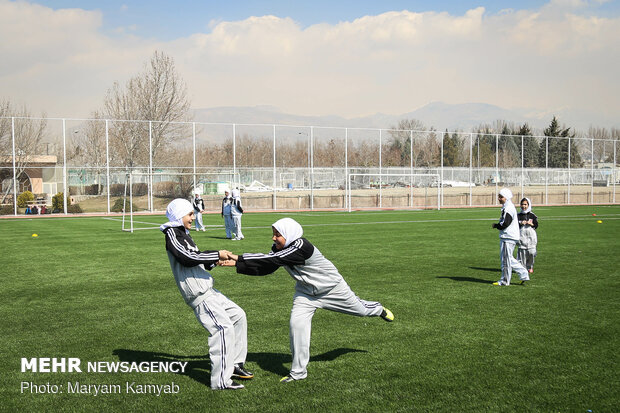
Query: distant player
[236, 211]
[199, 209]
[319, 285]
[224, 320]
[508, 238]
[227, 214]
[528, 239]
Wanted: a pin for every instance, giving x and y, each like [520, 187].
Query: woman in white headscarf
[221, 317]
[508, 238]
[319, 285]
[236, 210]
[528, 239]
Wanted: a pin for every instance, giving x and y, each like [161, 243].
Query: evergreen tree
[452, 149]
[530, 147]
[558, 148]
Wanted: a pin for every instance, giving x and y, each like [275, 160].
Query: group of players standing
[232, 211]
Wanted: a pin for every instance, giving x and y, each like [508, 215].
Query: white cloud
[548, 58]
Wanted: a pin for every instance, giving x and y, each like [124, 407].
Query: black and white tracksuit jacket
[526, 216]
[198, 204]
[315, 274]
[189, 265]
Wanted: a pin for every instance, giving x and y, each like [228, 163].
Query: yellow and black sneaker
[286, 379]
[241, 373]
[387, 315]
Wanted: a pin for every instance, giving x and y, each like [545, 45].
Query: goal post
[394, 191]
[170, 185]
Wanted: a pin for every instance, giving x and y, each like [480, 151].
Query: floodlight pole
[14, 167]
[107, 160]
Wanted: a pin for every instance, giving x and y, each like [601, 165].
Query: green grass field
[84, 289]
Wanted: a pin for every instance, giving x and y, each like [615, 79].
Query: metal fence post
[347, 188]
[380, 172]
[150, 177]
[194, 146]
[64, 165]
[14, 167]
[592, 171]
[471, 150]
[568, 196]
[107, 160]
[274, 204]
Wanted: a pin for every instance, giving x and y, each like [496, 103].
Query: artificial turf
[84, 289]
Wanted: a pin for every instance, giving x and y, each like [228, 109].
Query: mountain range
[441, 116]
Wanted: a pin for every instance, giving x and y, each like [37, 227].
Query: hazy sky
[347, 58]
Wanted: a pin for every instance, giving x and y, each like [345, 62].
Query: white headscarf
[506, 193]
[175, 212]
[529, 206]
[236, 194]
[289, 229]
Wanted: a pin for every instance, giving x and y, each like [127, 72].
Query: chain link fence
[82, 165]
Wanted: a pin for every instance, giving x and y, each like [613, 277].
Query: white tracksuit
[508, 238]
[236, 211]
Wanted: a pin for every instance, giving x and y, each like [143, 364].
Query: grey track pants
[509, 262]
[228, 340]
[340, 299]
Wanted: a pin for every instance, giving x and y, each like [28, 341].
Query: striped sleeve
[263, 264]
[186, 255]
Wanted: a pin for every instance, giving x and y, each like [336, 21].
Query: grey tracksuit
[223, 319]
[528, 239]
[319, 285]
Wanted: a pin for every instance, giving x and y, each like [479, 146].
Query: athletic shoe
[234, 386]
[286, 379]
[387, 315]
[241, 373]
[498, 283]
[531, 270]
[523, 282]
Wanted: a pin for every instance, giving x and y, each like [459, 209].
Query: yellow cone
[35, 235]
[599, 222]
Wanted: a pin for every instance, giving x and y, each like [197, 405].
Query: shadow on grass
[199, 366]
[468, 279]
[486, 269]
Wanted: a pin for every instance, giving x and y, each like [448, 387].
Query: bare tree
[158, 95]
[28, 136]
[88, 149]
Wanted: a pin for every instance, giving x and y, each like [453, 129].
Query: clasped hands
[227, 259]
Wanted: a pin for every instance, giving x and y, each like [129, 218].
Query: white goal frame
[380, 176]
[129, 183]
